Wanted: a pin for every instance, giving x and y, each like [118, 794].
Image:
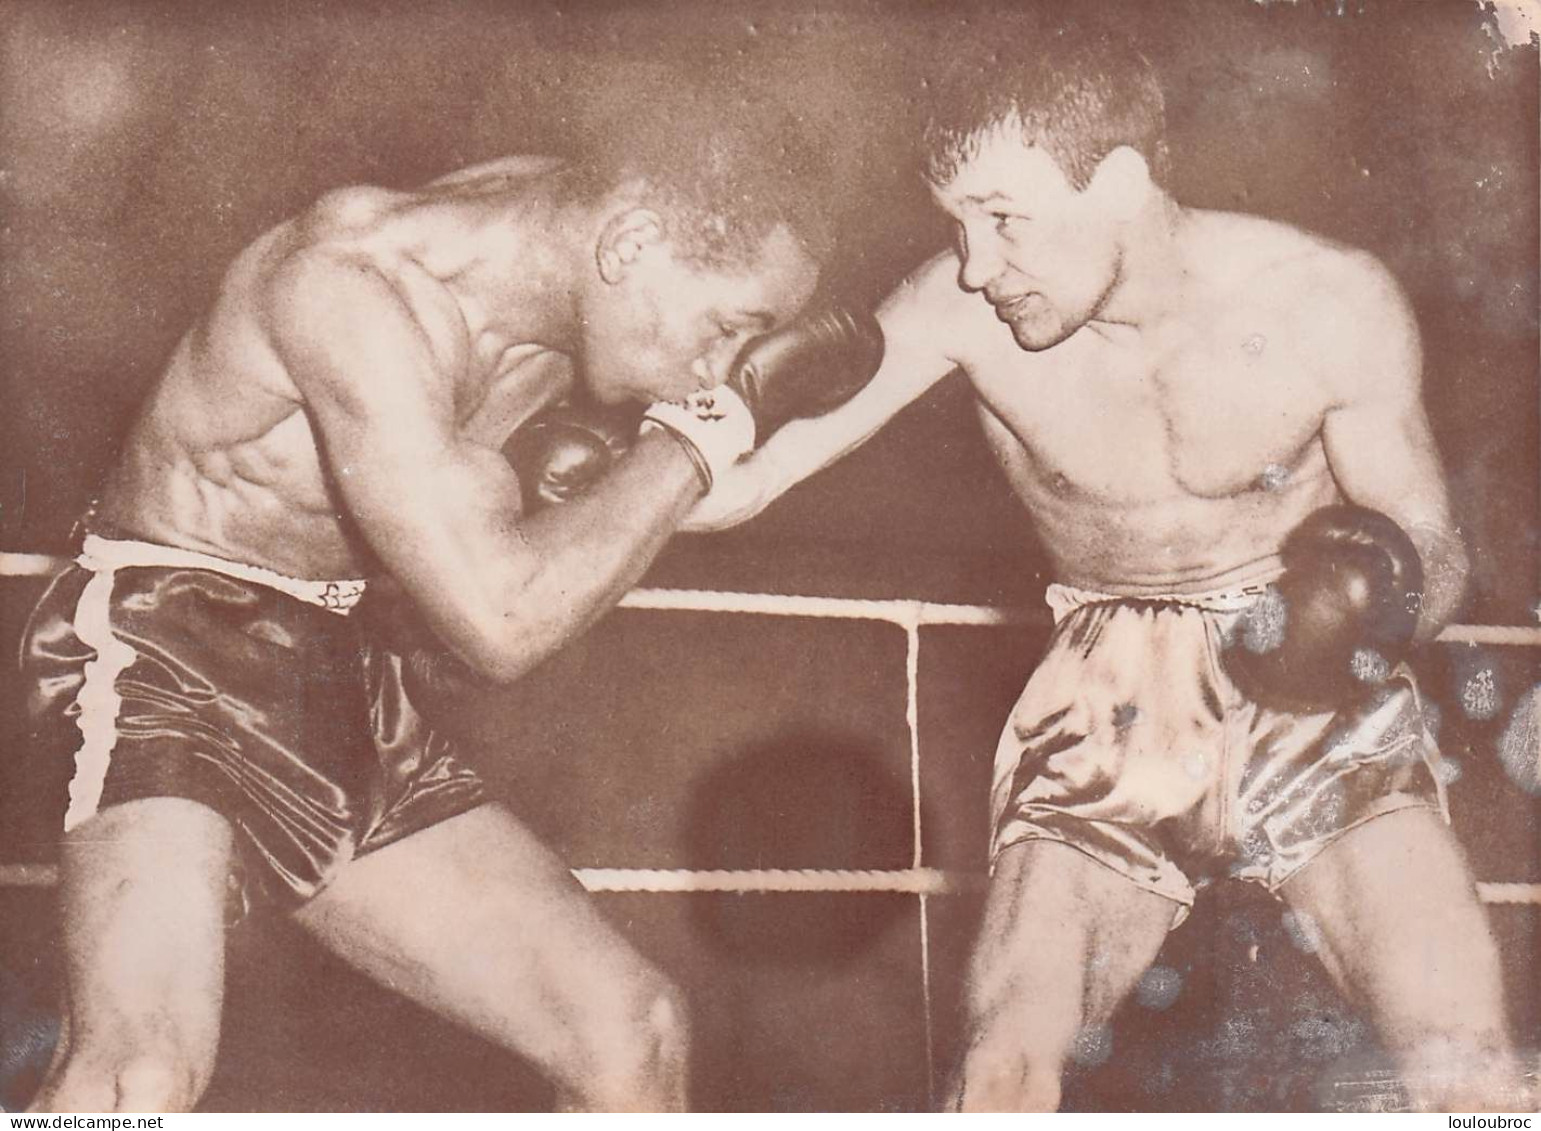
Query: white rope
[920, 613]
[1516, 635]
[903, 613]
[1509, 893]
[906, 881]
[13, 564]
[28, 875]
[901, 881]
[900, 612]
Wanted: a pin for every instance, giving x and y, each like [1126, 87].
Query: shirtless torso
[1176, 458]
[224, 457]
[1276, 373]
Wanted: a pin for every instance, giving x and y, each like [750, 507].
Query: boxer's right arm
[920, 320]
[502, 589]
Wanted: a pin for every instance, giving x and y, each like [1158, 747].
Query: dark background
[142, 145]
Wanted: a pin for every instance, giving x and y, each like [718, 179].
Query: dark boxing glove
[557, 456]
[1339, 618]
[562, 453]
[804, 369]
[808, 368]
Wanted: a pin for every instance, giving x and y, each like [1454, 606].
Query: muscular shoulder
[1235, 253]
[1343, 311]
[930, 307]
[1355, 326]
[368, 232]
[343, 226]
[336, 288]
[362, 223]
[1350, 291]
[351, 211]
[233, 330]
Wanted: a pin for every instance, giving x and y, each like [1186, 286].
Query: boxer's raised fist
[557, 456]
[808, 368]
[804, 369]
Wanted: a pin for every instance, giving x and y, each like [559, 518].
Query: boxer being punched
[339, 412]
[1216, 424]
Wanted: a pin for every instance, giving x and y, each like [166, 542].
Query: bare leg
[143, 909]
[477, 920]
[1063, 941]
[1400, 928]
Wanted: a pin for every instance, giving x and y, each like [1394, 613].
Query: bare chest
[1206, 413]
[235, 430]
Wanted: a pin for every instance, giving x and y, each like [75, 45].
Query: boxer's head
[704, 237]
[1041, 152]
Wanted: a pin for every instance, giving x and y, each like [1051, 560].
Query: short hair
[722, 179]
[1075, 89]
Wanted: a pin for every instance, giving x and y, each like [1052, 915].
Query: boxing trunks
[1131, 745]
[159, 672]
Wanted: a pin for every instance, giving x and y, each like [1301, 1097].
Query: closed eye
[742, 327]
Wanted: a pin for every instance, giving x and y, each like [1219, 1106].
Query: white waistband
[104, 554]
[1232, 598]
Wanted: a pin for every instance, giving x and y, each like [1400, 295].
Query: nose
[716, 365]
[979, 260]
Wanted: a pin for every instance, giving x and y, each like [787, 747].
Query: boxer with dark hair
[1216, 424]
[394, 385]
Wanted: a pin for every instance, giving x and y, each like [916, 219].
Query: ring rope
[1517, 635]
[899, 881]
[911, 614]
[904, 613]
[13, 564]
[1509, 893]
[902, 881]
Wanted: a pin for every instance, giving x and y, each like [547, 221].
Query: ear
[1122, 182]
[625, 234]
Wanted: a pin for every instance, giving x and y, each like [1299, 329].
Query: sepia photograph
[770, 556]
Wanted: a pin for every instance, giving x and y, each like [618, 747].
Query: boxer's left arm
[501, 588]
[920, 321]
[1376, 432]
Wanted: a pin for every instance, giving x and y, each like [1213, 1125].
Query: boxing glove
[1338, 620]
[565, 451]
[557, 456]
[804, 369]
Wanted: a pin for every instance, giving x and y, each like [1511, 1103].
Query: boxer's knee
[1013, 1062]
[162, 1080]
[1016, 1051]
[128, 1076]
[636, 1053]
[1464, 1071]
[1002, 1076]
[658, 1029]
